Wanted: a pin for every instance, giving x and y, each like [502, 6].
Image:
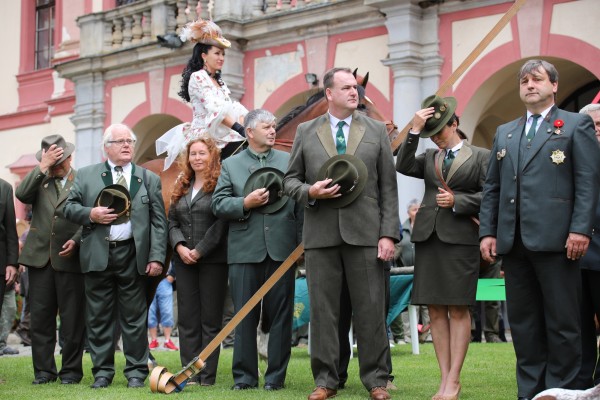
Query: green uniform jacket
[49, 230]
[148, 218]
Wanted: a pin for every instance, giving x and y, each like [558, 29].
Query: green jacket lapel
[107, 175]
[463, 155]
[325, 136]
[136, 181]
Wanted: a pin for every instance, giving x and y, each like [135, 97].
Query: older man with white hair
[124, 240]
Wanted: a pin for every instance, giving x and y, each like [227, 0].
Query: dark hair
[196, 63]
[328, 77]
[532, 66]
[453, 118]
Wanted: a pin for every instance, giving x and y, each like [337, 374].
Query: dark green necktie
[340, 140]
[531, 132]
[448, 161]
[58, 186]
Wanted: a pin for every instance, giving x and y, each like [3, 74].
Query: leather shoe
[69, 381]
[322, 393]
[379, 393]
[523, 398]
[135, 383]
[242, 386]
[273, 386]
[42, 380]
[100, 382]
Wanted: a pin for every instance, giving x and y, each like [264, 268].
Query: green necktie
[120, 177]
[58, 186]
[262, 158]
[448, 162]
[531, 132]
[340, 140]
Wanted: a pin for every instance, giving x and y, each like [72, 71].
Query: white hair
[107, 136]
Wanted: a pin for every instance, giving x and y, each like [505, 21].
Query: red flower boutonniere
[559, 123]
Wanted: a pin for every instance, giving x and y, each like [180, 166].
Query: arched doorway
[148, 129]
[497, 99]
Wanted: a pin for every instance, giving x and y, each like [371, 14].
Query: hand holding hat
[55, 149]
[435, 113]
[264, 187]
[349, 173]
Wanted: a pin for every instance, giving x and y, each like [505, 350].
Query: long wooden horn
[467, 62]
[164, 382]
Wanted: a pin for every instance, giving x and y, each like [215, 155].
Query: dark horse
[286, 130]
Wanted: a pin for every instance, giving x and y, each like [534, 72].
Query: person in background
[544, 163]
[124, 240]
[445, 235]
[215, 114]
[162, 306]
[9, 242]
[590, 278]
[7, 319]
[200, 257]
[404, 254]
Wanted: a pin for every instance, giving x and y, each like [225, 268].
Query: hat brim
[267, 208]
[122, 192]
[426, 133]
[363, 174]
[67, 151]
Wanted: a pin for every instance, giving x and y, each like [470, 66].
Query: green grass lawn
[488, 374]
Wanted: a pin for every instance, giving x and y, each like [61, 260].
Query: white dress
[210, 105]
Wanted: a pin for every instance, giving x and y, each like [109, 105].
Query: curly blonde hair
[187, 174]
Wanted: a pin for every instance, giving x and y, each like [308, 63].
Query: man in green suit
[263, 231]
[117, 254]
[351, 241]
[51, 252]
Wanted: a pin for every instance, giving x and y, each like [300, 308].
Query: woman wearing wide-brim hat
[445, 232]
[215, 114]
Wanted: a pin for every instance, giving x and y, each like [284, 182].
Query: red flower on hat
[559, 123]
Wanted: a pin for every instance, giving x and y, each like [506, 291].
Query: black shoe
[342, 385]
[42, 380]
[273, 386]
[101, 382]
[135, 383]
[9, 351]
[523, 398]
[242, 386]
[69, 381]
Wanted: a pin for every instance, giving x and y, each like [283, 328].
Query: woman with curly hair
[200, 257]
[214, 113]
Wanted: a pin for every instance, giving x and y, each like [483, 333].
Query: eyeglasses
[122, 142]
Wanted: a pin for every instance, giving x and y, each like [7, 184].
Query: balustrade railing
[136, 22]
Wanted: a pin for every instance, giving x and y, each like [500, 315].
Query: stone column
[416, 66]
[88, 118]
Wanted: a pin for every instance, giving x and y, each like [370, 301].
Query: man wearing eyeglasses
[123, 241]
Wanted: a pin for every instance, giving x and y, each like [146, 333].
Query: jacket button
[107, 238]
[266, 228]
[437, 208]
[512, 201]
[514, 178]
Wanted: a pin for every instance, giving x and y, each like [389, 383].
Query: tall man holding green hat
[124, 240]
[51, 252]
[264, 228]
[342, 170]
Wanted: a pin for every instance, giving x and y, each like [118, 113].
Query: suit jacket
[374, 213]
[253, 235]
[49, 229]
[192, 223]
[9, 242]
[148, 218]
[555, 196]
[465, 177]
[591, 260]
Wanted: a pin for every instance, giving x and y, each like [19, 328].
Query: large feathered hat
[204, 31]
